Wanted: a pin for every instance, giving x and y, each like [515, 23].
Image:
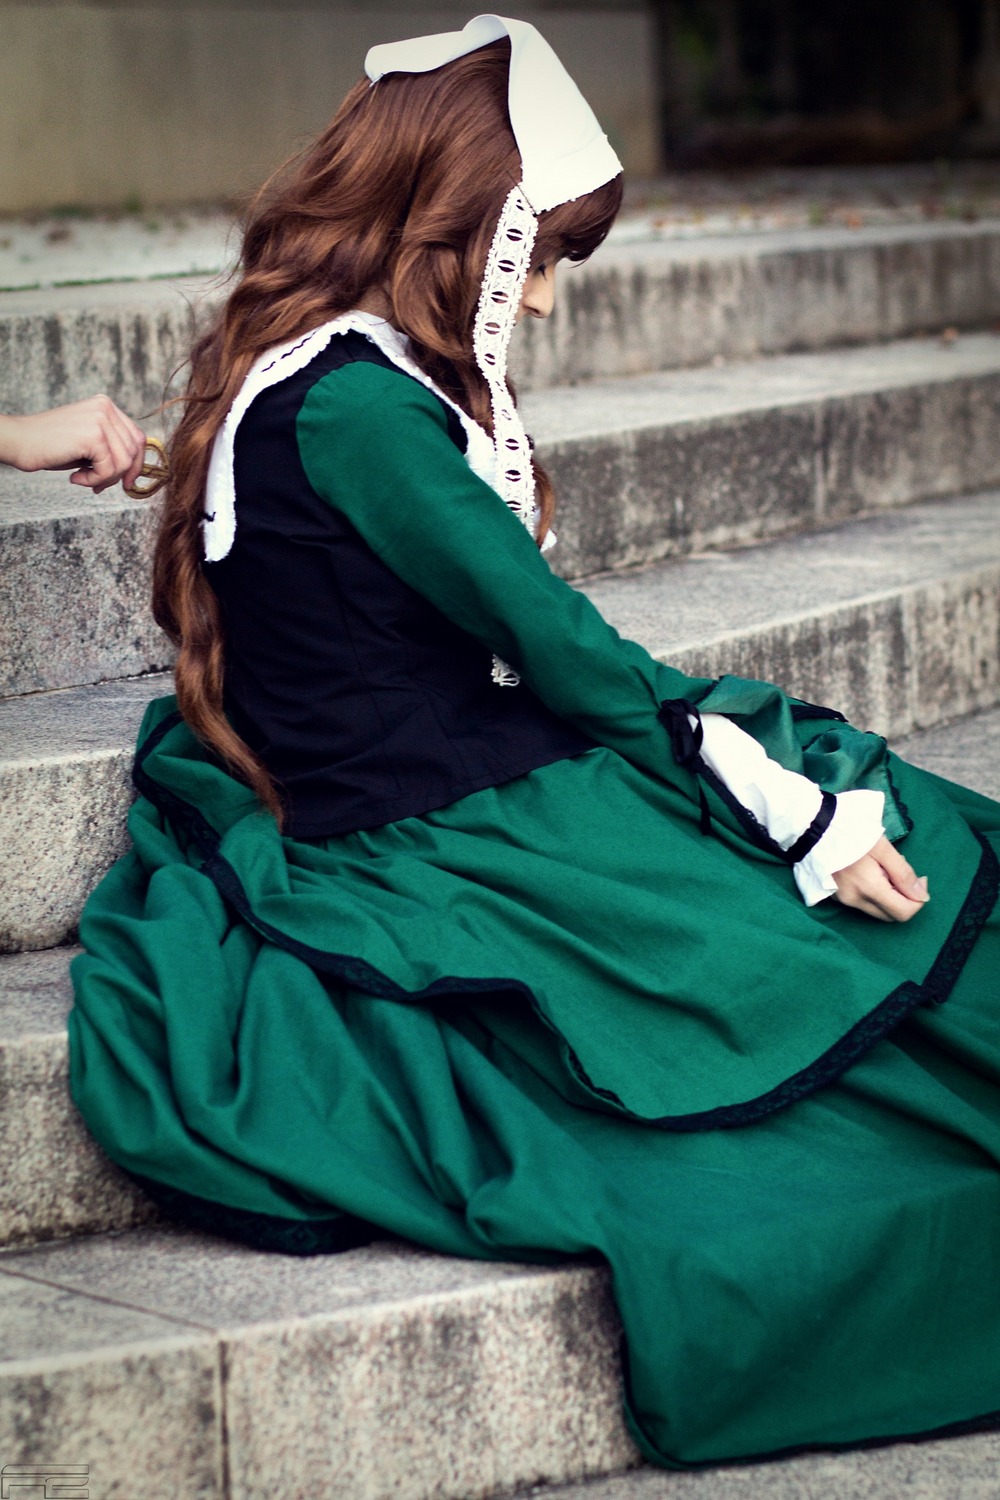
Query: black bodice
[364, 701]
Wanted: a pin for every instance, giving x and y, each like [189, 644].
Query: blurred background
[122, 105]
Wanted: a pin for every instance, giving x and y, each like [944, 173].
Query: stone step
[125, 338]
[894, 619]
[660, 465]
[164, 1363]
[65, 787]
[75, 583]
[55, 1181]
[958, 1468]
[655, 306]
[633, 308]
[167, 1364]
[649, 467]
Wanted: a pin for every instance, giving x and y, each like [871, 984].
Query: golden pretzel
[156, 472]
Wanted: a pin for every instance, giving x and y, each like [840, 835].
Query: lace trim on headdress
[507, 267]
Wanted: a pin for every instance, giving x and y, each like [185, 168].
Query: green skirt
[555, 1019]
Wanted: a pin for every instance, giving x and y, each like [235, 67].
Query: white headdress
[564, 155]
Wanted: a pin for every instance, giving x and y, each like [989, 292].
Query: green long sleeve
[375, 444]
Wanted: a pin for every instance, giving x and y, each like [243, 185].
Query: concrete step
[962, 1468]
[648, 467]
[655, 306]
[124, 338]
[65, 787]
[894, 619]
[55, 1180]
[75, 583]
[166, 1364]
[660, 465]
[634, 308]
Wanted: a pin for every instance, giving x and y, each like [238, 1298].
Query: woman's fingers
[111, 452]
[133, 441]
[116, 448]
[899, 872]
[870, 909]
[883, 885]
[92, 437]
[870, 892]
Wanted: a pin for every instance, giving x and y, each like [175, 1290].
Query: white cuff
[786, 803]
[854, 830]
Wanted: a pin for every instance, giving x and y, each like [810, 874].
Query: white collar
[285, 360]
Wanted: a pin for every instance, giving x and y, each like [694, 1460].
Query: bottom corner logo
[45, 1482]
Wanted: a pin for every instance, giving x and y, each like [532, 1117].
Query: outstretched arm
[92, 437]
[375, 445]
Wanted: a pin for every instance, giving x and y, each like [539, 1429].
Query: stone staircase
[816, 499]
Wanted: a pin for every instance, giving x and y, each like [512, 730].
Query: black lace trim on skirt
[258, 1230]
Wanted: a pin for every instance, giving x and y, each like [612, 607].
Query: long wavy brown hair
[398, 198]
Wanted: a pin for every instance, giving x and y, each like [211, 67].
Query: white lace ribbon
[507, 267]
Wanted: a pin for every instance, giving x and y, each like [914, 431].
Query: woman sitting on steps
[453, 915]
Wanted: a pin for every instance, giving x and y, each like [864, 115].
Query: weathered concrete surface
[239, 86]
[382, 1372]
[54, 1180]
[665, 464]
[124, 339]
[647, 468]
[869, 617]
[632, 309]
[65, 786]
[134, 1397]
[643, 307]
[75, 577]
[953, 1469]
[966, 750]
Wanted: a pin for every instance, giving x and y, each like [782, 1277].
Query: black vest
[366, 704]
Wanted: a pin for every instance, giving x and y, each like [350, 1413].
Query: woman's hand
[91, 437]
[883, 885]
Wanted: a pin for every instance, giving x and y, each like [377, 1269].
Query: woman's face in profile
[539, 295]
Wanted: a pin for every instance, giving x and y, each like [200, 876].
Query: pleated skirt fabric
[555, 1020]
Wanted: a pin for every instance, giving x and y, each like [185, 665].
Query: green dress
[555, 1018]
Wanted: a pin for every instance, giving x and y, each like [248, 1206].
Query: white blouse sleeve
[786, 804]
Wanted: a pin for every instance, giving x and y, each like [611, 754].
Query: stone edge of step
[371, 1379]
[635, 307]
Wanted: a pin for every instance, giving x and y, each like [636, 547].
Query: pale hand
[883, 885]
[92, 437]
